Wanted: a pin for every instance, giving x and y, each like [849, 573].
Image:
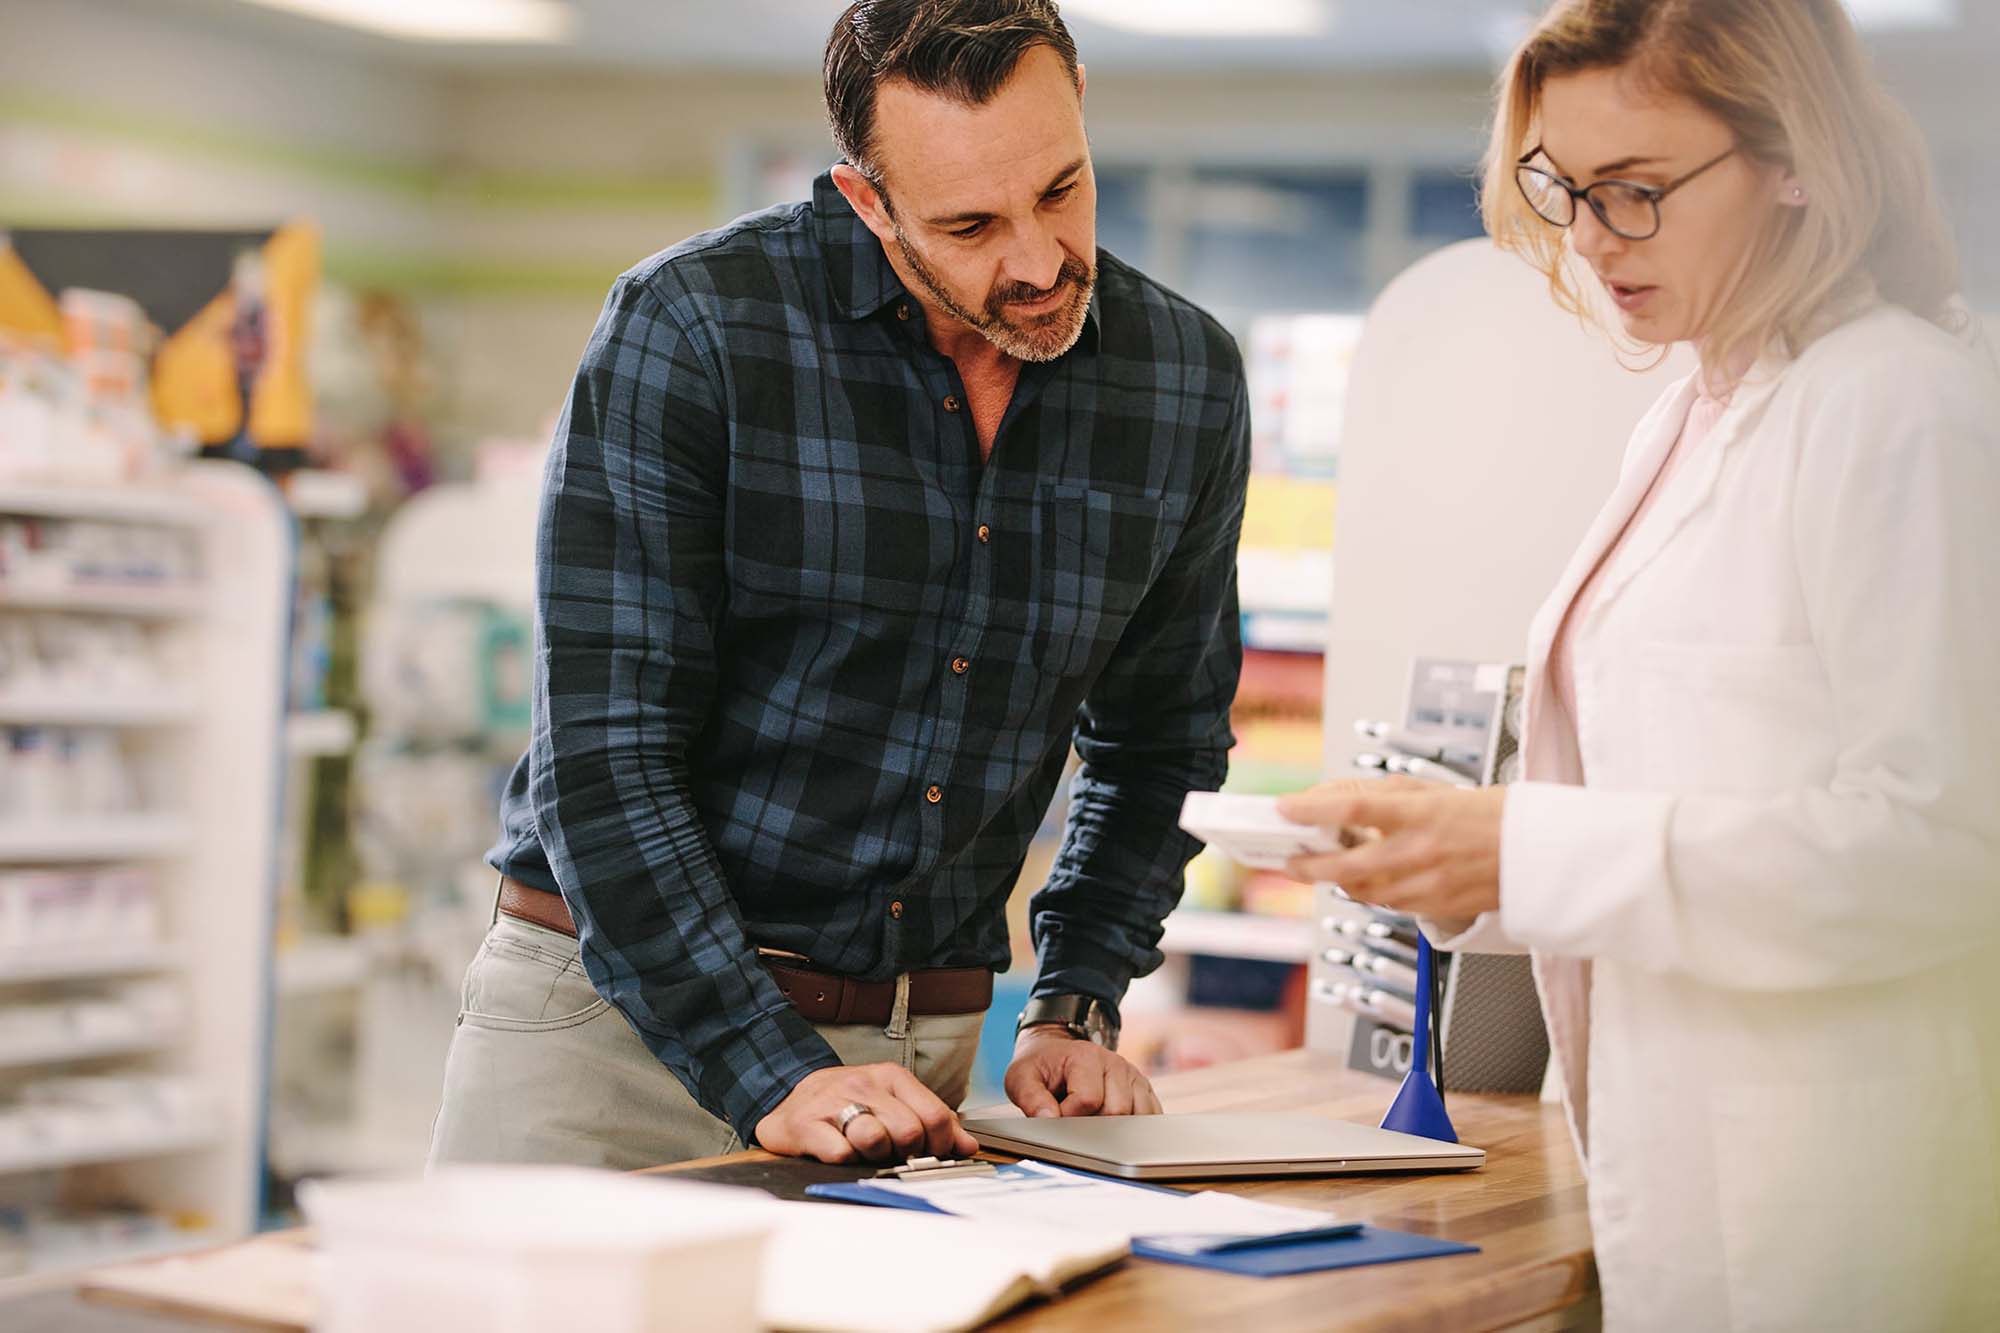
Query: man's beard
[1035, 338]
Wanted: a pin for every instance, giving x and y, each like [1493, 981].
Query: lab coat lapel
[1546, 757]
[1702, 474]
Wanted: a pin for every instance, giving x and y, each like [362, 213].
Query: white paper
[1035, 1194]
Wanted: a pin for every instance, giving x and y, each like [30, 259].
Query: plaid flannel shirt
[808, 672]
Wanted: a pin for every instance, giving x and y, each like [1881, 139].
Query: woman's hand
[1438, 850]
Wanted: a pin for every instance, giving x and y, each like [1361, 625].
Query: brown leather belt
[822, 997]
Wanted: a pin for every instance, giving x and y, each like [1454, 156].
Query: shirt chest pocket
[1098, 552]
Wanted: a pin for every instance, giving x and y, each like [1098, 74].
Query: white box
[520, 1249]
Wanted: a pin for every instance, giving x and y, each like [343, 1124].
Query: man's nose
[1035, 259]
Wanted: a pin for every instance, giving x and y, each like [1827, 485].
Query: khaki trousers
[543, 1069]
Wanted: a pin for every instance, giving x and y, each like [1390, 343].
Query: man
[861, 511]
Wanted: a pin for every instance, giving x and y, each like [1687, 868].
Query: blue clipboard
[1345, 1246]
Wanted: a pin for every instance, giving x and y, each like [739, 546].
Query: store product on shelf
[129, 1014]
[83, 420]
[46, 1237]
[77, 657]
[65, 773]
[108, 907]
[88, 1114]
[52, 554]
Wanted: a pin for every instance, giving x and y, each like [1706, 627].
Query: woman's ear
[1792, 192]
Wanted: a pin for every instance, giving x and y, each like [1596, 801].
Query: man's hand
[1054, 1073]
[904, 1118]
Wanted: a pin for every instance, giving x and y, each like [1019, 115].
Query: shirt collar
[859, 276]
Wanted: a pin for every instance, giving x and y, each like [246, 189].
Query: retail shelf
[71, 1051]
[103, 838]
[62, 963]
[55, 708]
[131, 504]
[139, 601]
[1276, 939]
[319, 493]
[70, 1264]
[112, 1148]
[326, 731]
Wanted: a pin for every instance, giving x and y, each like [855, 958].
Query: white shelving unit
[209, 739]
[1273, 939]
[102, 838]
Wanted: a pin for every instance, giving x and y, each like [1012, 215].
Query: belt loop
[899, 1016]
[493, 917]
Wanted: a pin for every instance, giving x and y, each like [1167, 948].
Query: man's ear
[865, 200]
[1079, 80]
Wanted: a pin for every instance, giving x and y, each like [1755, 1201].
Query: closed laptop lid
[1220, 1144]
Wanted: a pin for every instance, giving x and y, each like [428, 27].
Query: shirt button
[934, 794]
[896, 911]
[903, 310]
[951, 402]
[985, 534]
[960, 665]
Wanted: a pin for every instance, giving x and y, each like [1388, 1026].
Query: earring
[1798, 194]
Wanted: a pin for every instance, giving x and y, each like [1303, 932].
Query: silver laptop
[1215, 1144]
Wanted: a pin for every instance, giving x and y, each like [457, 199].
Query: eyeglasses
[1626, 208]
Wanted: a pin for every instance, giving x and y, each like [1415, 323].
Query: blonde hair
[1790, 80]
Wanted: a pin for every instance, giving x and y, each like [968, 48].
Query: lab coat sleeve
[1892, 866]
[1484, 933]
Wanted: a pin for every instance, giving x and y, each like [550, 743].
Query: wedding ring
[849, 1113]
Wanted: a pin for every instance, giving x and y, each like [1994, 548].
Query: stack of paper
[1051, 1198]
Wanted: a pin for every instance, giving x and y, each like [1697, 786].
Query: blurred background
[289, 293]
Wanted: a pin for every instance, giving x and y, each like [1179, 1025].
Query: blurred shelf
[326, 731]
[121, 501]
[320, 493]
[1274, 939]
[72, 1263]
[1285, 632]
[322, 963]
[102, 838]
[159, 602]
[115, 1148]
[60, 963]
[71, 1051]
[54, 708]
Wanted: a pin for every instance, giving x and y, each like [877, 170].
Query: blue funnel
[1419, 1106]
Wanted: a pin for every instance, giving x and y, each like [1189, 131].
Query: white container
[520, 1249]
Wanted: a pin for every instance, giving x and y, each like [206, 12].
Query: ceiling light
[442, 20]
[1206, 18]
[1879, 14]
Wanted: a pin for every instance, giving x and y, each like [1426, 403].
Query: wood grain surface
[1525, 1209]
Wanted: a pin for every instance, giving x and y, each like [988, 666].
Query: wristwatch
[1084, 1017]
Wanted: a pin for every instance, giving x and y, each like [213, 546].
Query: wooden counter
[1525, 1209]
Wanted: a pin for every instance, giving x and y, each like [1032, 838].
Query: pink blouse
[1703, 413]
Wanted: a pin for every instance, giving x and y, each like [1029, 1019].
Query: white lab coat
[1765, 933]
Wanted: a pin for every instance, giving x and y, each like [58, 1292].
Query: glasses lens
[1546, 195]
[1628, 211]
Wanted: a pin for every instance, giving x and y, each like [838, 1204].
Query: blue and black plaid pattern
[808, 671]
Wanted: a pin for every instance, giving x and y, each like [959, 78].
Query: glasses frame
[1652, 194]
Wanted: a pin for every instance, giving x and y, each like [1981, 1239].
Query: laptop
[1216, 1144]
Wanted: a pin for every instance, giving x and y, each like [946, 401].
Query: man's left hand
[1054, 1073]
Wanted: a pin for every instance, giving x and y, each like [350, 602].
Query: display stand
[200, 827]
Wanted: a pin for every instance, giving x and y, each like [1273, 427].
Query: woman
[1757, 847]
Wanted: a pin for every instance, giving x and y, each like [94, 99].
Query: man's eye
[1059, 194]
[967, 233]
